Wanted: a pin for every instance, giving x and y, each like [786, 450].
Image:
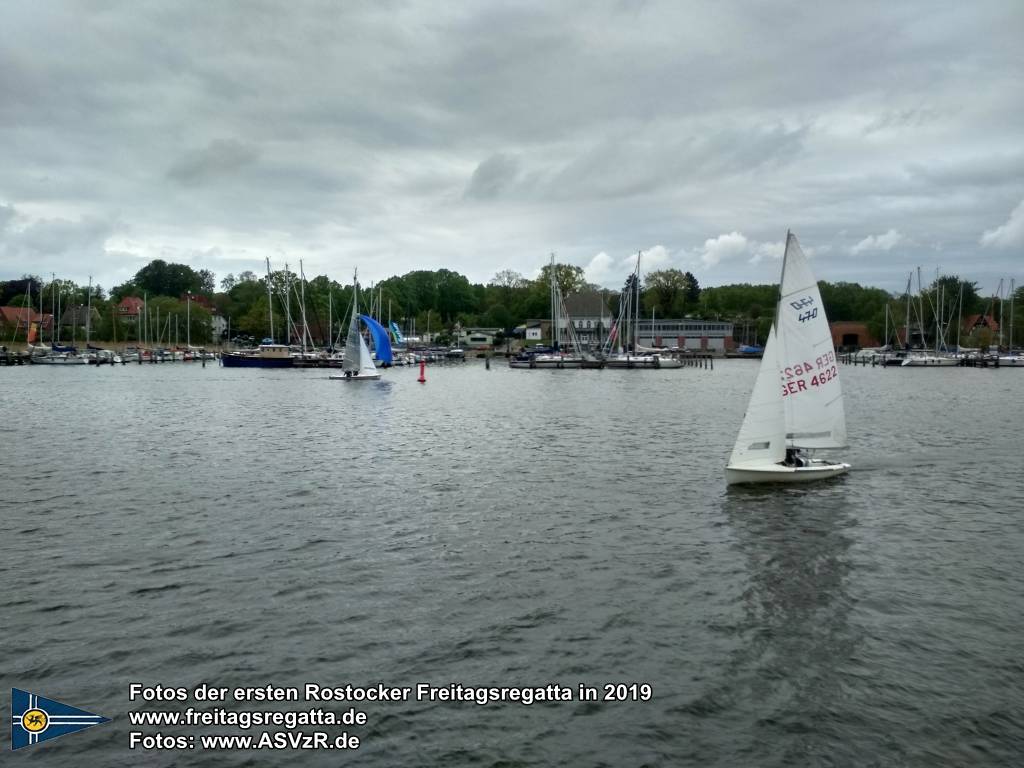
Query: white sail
[358, 360]
[761, 439]
[809, 372]
[366, 366]
[355, 347]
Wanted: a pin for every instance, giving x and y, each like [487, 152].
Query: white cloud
[599, 270]
[885, 242]
[656, 257]
[1010, 234]
[723, 247]
[764, 251]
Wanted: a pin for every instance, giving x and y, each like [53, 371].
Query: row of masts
[942, 321]
[299, 333]
[145, 321]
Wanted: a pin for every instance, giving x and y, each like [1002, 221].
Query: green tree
[570, 278]
[670, 292]
[158, 278]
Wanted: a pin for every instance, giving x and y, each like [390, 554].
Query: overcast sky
[482, 136]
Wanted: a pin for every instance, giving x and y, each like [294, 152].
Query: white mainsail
[761, 439]
[811, 394]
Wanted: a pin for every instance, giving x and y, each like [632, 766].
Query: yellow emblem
[34, 720]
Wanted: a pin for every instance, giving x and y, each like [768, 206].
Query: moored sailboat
[797, 401]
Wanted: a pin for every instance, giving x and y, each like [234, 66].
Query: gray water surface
[178, 525]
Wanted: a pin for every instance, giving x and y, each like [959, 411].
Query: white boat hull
[643, 361]
[778, 473]
[57, 360]
[355, 377]
[930, 362]
[546, 363]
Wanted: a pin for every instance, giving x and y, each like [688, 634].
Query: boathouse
[849, 336]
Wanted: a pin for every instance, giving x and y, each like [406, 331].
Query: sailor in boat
[794, 458]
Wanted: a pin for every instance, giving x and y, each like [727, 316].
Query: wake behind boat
[797, 402]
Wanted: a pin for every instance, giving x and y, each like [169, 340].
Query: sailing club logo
[35, 718]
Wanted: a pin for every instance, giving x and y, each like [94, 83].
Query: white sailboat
[358, 363]
[797, 401]
[560, 320]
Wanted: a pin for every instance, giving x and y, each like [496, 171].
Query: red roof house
[130, 308]
[981, 321]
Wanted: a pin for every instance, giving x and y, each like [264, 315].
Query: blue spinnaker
[381, 342]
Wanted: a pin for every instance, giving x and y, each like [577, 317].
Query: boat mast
[636, 309]
[551, 304]
[287, 305]
[302, 285]
[88, 313]
[960, 316]
[354, 321]
[920, 310]
[906, 328]
[1012, 289]
[1000, 290]
[27, 314]
[270, 302]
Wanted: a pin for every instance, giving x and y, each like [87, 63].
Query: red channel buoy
[423, 372]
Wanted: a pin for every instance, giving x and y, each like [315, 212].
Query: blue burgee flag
[35, 719]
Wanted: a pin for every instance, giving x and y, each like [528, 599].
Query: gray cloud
[6, 216]
[493, 176]
[221, 157]
[406, 135]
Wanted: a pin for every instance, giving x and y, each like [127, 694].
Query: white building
[710, 335]
[476, 338]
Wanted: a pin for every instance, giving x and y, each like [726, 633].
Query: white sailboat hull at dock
[930, 361]
[643, 361]
[547, 361]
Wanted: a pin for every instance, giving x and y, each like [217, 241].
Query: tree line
[433, 301]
